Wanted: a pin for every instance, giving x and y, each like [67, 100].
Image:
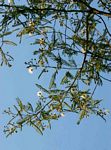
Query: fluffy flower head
[30, 70]
[40, 94]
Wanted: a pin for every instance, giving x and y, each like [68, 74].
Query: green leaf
[68, 105]
[9, 43]
[43, 71]
[20, 104]
[8, 33]
[65, 62]
[36, 128]
[36, 52]
[69, 75]
[64, 80]
[55, 91]
[96, 102]
[38, 106]
[82, 115]
[21, 121]
[52, 81]
[49, 124]
[30, 107]
[42, 88]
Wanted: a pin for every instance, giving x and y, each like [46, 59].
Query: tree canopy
[73, 39]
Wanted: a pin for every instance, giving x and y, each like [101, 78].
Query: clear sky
[92, 134]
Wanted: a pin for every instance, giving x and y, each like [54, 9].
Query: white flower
[30, 70]
[83, 51]
[39, 94]
[62, 114]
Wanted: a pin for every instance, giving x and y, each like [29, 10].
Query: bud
[62, 115]
[83, 50]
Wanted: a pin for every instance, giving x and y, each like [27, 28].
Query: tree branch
[91, 10]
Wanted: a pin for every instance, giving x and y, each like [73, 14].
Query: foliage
[74, 45]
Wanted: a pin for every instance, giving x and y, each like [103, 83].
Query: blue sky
[65, 134]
